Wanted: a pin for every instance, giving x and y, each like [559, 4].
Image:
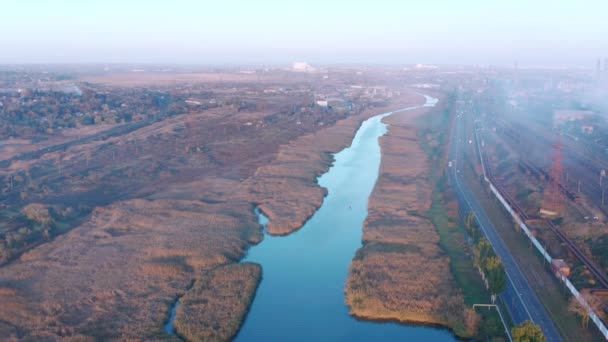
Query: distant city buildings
[422, 67]
[426, 85]
[562, 116]
[302, 67]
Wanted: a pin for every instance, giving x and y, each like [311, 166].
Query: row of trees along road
[493, 271]
[484, 258]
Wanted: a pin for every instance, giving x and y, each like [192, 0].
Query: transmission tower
[552, 198]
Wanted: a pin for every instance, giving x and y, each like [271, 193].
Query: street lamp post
[499, 314]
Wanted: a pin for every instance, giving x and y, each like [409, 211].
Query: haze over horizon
[540, 33]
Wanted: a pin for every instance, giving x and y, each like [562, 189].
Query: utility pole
[489, 306]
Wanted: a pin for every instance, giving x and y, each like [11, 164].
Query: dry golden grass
[214, 309]
[116, 275]
[401, 273]
[398, 282]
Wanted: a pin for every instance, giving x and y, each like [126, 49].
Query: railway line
[581, 164]
[571, 245]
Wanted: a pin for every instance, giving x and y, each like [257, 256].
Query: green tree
[472, 227]
[582, 312]
[470, 220]
[38, 213]
[483, 249]
[528, 332]
[495, 272]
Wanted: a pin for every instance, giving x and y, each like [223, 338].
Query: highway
[518, 297]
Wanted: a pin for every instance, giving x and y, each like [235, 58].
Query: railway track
[584, 164]
[572, 247]
[593, 268]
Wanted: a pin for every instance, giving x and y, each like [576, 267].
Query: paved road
[519, 297]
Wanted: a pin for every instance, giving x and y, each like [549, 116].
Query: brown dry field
[116, 275]
[401, 273]
[137, 79]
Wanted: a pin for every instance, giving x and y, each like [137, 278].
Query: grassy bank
[401, 273]
[203, 314]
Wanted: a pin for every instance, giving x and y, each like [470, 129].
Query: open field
[151, 158]
[91, 281]
[136, 79]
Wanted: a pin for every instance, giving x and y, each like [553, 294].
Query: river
[301, 296]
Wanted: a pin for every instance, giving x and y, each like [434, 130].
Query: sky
[489, 32]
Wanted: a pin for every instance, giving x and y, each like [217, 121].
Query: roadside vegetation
[485, 259]
[528, 332]
[456, 240]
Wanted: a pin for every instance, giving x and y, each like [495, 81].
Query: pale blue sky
[534, 32]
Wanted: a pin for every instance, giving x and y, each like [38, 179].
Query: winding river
[301, 296]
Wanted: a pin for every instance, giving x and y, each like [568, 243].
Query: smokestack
[598, 69]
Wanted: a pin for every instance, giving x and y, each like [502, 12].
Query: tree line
[495, 277]
[487, 262]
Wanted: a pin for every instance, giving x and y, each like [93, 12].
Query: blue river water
[301, 296]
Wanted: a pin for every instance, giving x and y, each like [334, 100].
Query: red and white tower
[552, 198]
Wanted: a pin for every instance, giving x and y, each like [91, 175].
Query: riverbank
[305, 272]
[401, 273]
[215, 307]
[286, 190]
